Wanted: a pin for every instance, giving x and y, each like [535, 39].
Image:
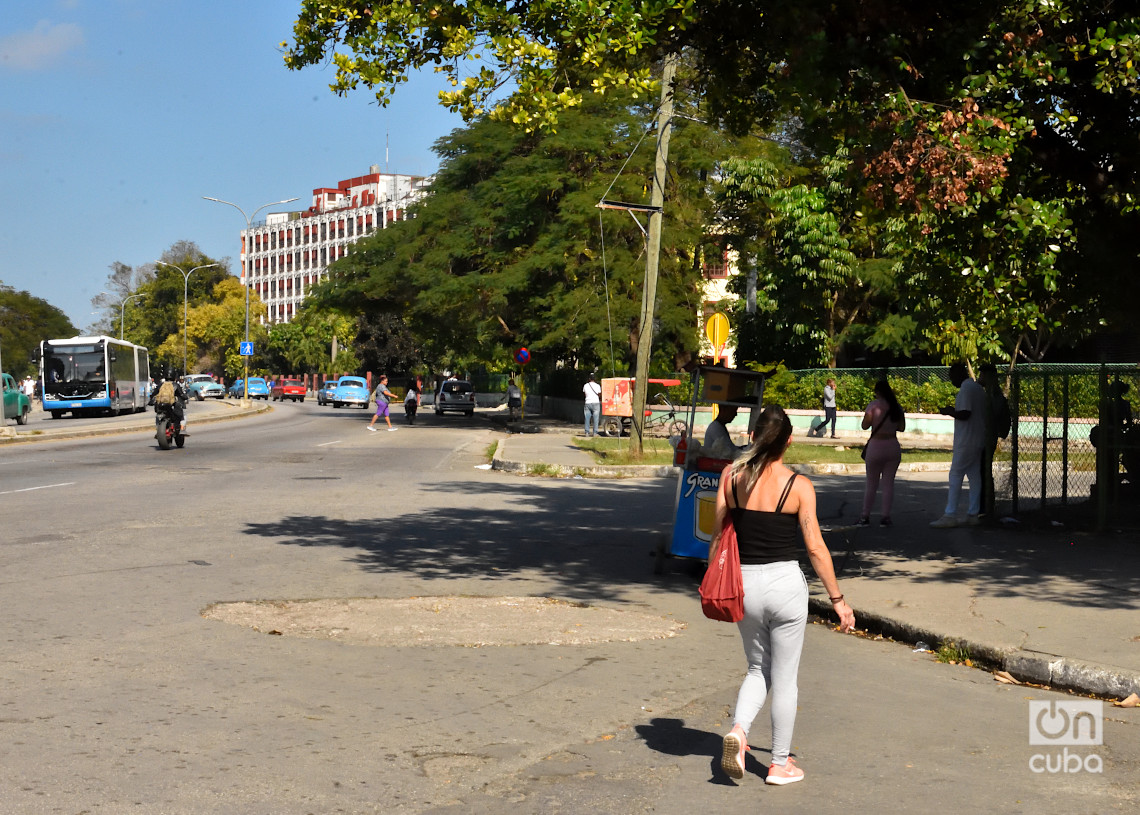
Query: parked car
[16, 403]
[455, 394]
[288, 389]
[351, 390]
[202, 386]
[257, 388]
[325, 392]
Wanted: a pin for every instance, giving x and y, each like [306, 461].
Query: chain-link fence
[1073, 431]
[1072, 428]
[919, 388]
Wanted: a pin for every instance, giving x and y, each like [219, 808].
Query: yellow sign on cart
[717, 330]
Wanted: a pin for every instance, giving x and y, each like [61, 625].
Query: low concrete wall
[920, 425]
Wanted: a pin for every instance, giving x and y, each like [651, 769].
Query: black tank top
[766, 537]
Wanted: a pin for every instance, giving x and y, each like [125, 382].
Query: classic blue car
[325, 392]
[257, 388]
[202, 386]
[350, 390]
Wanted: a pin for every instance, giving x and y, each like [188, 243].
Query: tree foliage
[507, 250]
[216, 327]
[304, 345]
[25, 321]
[999, 135]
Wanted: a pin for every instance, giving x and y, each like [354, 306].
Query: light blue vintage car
[203, 386]
[350, 390]
[257, 388]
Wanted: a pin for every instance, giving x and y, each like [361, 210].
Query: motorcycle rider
[178, 405]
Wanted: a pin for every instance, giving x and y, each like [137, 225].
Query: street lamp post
[123, 309]
[248, 278]
[185, 299]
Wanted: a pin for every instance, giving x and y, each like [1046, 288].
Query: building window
[715, 264]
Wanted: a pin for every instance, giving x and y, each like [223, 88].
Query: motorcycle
[167, 428]
[410, 407]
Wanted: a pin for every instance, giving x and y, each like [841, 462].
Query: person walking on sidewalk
[592, 410]
[829, 411]
[767, 502]
[885, 419]
[969, 414]
[383, 397]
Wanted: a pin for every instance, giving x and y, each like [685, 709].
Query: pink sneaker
[732, 753]
[784, 774]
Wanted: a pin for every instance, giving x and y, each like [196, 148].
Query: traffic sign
[245, 349]
[717, 330]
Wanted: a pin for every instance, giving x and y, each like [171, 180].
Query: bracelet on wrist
[836, 599]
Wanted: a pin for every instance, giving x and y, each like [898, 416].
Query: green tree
[25, 321]
[1014, 116]
[818, 275]
[304, 345]
[216, 327]
[526, 268]
[155, 319]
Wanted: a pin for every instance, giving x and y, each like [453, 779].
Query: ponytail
[771, 434]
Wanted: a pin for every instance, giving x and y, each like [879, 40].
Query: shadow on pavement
[592, 540]
[1056, 564]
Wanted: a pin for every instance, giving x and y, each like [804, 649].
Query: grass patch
[658, 451]
[615, 452]
[826, 454]
[489, 453]
[953, 653]
[544, 470]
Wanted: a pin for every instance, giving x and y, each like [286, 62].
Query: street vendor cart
[617, 407]
[698, 477]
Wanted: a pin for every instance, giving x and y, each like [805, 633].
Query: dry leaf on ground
[1005, 678]
[1132, 701]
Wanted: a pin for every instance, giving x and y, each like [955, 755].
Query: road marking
[44, 487]
[327, 443]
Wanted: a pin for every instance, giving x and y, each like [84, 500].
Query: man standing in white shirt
[969, 414]
[592, 411]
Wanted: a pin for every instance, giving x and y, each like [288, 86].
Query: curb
[498, 462]
[1028, 666]
[134, 427]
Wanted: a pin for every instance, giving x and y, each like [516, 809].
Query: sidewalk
[1047, 605]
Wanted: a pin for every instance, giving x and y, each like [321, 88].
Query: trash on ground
[921, 646]
[1006, 678]
[1132, 701]
[482, 466]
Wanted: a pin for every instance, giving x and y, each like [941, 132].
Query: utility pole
[649, 292]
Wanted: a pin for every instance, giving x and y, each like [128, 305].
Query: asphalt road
[116, 695]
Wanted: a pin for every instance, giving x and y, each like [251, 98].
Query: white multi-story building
[289, 253]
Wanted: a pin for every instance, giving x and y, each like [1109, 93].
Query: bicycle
[620, 425]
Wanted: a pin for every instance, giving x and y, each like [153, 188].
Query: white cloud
[40, 47]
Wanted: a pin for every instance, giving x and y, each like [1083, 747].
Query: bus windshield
[73, 364]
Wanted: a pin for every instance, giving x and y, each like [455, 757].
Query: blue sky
[117, 116]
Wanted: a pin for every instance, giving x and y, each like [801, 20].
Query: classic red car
[288, 389]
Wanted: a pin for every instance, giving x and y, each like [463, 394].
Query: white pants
[965, 464]
[775, 615]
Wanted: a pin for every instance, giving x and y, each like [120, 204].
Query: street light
[185, 297]
[246, 273]
[123, 309]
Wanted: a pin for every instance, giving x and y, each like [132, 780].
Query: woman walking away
[767, 501]
[885, 418]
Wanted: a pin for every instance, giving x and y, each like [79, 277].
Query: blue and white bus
[93, 375]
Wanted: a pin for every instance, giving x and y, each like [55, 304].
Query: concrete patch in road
[448, 620]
